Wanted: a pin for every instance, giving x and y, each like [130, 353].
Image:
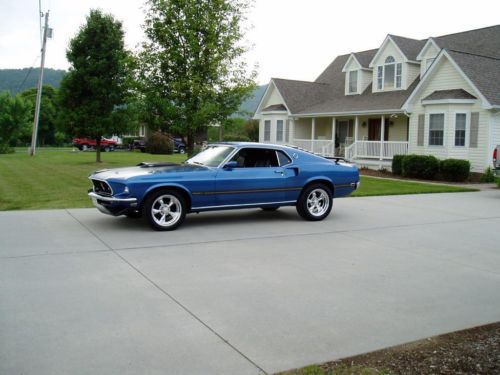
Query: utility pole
[46, 32]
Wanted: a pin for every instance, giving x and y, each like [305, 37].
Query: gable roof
[484, 72]
[450, 94]
[484, 42]
[409, 47]
[475, 53]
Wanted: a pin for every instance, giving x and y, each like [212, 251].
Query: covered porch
[377, 137]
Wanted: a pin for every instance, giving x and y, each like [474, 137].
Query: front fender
[165, 185]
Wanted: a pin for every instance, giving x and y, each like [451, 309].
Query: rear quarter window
[283, 158]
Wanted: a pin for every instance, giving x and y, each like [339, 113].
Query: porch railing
[319, 146]
[375, 149]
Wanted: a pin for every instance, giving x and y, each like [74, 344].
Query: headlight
[126, 191]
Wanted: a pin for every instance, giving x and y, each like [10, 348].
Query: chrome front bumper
[111, 199]
[111, 205]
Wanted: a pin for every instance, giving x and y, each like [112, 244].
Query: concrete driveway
[242, 292]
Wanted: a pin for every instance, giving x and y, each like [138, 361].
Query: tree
[95, 91]
[48, 113]
[14, 115]
[192, 70]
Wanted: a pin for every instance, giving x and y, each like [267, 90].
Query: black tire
[182, 150]
[85, 147]
[107, 149]
[269, 209]
[315, 202]
[136, 214]
[172, 218]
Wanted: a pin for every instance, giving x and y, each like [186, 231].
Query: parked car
[84, 144]
[225, 176]
[179, 145]
[496, 160]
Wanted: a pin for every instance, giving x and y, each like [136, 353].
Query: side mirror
[231, 164]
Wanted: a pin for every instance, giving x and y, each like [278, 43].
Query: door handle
[280, 172]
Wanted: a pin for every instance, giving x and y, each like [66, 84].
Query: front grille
[102, 188]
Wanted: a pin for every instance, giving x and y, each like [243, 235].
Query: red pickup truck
[84, 144]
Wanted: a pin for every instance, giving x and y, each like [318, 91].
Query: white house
[438, 96]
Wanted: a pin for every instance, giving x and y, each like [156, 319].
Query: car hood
[146, 169]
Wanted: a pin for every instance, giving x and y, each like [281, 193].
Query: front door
[374, 129]
[256, 179]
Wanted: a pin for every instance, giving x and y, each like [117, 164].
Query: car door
[253, 177]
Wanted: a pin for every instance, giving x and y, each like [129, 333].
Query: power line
[27, 74]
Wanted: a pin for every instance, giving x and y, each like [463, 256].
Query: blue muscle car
[225, 176]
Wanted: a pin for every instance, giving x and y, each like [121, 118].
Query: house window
[436, 129]
[353, 81]
[380, 77]
[267, 130]
[287, 131]
[389, 75]
[279, 131]
[399, 68]
[460, 128]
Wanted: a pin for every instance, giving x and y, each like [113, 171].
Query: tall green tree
[191, 66]
[95, 91]
[14, 115]
[48, 114]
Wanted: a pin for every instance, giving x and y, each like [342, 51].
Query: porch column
[313, 133]
[356, 126]
[334, 125]
[382, 132]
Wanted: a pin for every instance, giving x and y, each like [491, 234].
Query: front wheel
[315, 202]
[165, 210]
[182, 150]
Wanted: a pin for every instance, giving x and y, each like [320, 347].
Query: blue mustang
[225, 176]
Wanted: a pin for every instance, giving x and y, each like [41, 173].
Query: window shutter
[474, 129]
[420, 130]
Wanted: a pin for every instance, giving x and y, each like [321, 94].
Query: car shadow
[203, 219]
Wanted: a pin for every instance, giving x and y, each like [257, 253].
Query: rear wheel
[107, 149]
[315, 202]
[85, 147]
[165, 210]
[182, 150]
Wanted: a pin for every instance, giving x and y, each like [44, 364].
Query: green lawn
[58, 179]
[55, 179]
[379, 186]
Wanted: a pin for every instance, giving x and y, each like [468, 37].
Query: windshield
[212, 156]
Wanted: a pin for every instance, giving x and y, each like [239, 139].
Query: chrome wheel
[166, 210]
[315, 202]
[318, 202]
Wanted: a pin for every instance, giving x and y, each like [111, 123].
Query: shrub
[488, 175]
[397, 164]
[6, 149]
[159, 143]
[420, 166]
[455, 169]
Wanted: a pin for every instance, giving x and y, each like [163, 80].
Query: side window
[283, 158]
[256, 158]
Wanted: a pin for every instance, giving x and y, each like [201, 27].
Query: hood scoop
[153, 165]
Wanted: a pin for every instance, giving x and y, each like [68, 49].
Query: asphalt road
[242, 292]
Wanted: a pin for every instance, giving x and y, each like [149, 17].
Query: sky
[288, 38]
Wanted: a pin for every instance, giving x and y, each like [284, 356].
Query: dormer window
[353, 82]
[389, 75]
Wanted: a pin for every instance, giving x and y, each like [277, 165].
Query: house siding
[447, 77]
[430, 52]
[413, 71]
